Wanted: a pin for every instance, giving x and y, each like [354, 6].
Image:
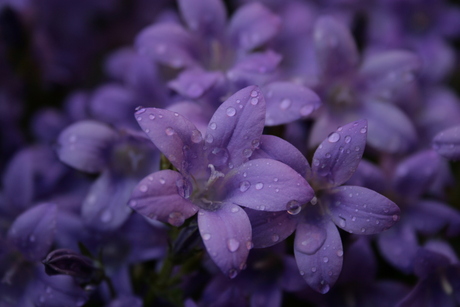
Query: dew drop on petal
[213, 126]
[231, 111]
[162, 181]
[363, 229]
[340, 253]
[333, 137]
[353, 219]
[244, 186]
[235, 209]
[259, 186]
[249, 245]
[206, 236]
[363, 130]
[347, 139]
[254, 101]
[395, 217]
[342, 222]
[233, 245]
[140, 110]
[143, 188]
[209, 138]
[176, 218]
[232, 273]
[302, 273]
[306, 110]
[293, 207]
[325, 260]
[285, 104]
[254, 94]
[275, 238]
[247, 152]
[151, 116]
[196, 136]
[313, 269]
[169, 131]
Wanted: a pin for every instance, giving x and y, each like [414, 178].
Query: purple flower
[317, 246]
[447, 143]
[215, 177]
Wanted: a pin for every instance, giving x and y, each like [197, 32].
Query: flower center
[204, 194]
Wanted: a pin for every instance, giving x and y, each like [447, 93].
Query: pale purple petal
[86, 145]
[277, 148]
[157, 197]
[370, 176]
[267, 185]
[337, 157]
[390, 130]
[360, 210]
[321, 269]
[226, 233]
[413, 175]
[325, 124]
[194, 83]
[167, 43]
[106, 205]
[309, 238]
[236, 126]
[287, 102]
[33, 231]
[335, 47]
[207, 18]
[174, 135]
[360, 263]
[253, 25]
[270, 228]
[194, 112]
[447, 143]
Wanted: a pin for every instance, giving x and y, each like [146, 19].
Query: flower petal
[309, 238]
[278, 149]
[253, 25]
[414, 174]
[193, 83]
[33, 231]
[321, 269]
[287, 102]
[360, 210]
[174, 135]
[369, 175]
[156, 197]
[447, 143]
[85, 145]
[335, 47]
[226, 234]
[267, 185]
[237, 125]
[207, 18]
[270, 228]
[337, 157]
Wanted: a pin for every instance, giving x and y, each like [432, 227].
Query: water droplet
[324, 287]
[106, 216]
[147, 130]
[245, 174]
[333, 137]
[342, 222]
[254, 94]
[169, 131]
[314, 201]
[363, 229]
[231, 111]
[151, 116]
[176, 218]
[209, 138]
[327, 155]
[249, 245]
[247, 152]
[162, 181]
[325, 260]
[259, 186]
[254, 101]
[275, 238]
[353, 219]
[235, 209]
[302, 273]
[306, 110]
[238, 101]
[262, 208]
[339, 253]
[315, 162]
[347, 139]
[395, 217]
[313, 269]
[196, 136]
[206, 236]
[233, 245]
[363, 130]
[244, 186]
[285, 103]
[140, 110]
[213, 126]
[357, 148]
[232, 273]
[293, 207]
[255, 143]
[143, 188]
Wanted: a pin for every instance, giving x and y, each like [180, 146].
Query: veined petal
[278, 149]
[270, 228]
[85, 145]
[414, 174]
[33, 231]
[287, 102]
[337, 157]
[321, 269]
[237, 125]
[253, 25]
[267, 185]
[208, 18]
[335, 47]
[226, 233]
[157, 197]
[360, 210]
[175, 136]
[447, 143]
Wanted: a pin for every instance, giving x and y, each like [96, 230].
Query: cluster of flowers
[239, 153]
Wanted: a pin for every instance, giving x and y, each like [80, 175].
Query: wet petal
[321, 269]
[287, 102]
[167, 43]
[267, 185]
[106, 205]
[360, 210]
[193, 83]
[253, 25]
[174, 135]
[194, 112]
[226, 233]
[157, 197]
[270, 228]
[309, 238]
[390, 130]
[85, 145]
[208, 18]
[447, 143]
[33, 231]
[414, 174]
[278, 149]
[335, 47]
[237, 125]
[337, 157]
